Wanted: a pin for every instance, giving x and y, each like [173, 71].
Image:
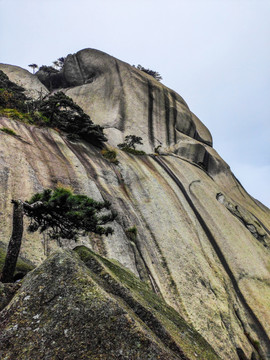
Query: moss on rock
[22, 266]
[171, 329]
[66, 310]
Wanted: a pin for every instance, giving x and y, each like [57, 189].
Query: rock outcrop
[202, 242]
[68, 310]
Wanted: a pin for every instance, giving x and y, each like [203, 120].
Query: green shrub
[133, 151]
[11, 95]
[63, 113]
[56, 111]
[8, 131]
[156, 75]
[132, 233]
[130, 143]
[110, 155]
[16, 115]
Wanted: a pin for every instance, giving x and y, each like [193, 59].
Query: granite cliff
[202, 242]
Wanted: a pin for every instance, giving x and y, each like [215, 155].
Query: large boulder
[128, 101]
[66, 310]
[34, 88]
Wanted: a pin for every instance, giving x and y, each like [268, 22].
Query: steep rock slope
[202, 242]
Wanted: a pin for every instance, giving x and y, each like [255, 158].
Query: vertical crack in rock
[247, 334]
[139, 258]
[150, 113]
[206, 160]
[174, 117]
[167, 115]
[79, 67]
[122, 100]
[258, 327]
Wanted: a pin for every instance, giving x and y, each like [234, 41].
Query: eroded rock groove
[257, 324]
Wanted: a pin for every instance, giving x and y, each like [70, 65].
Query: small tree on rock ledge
[59, 214]
[130, 142]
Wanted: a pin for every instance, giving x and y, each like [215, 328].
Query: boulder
[34, 88]
[124, 99]
[67, 309]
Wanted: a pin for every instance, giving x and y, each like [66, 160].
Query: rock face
[127, 101]
[202, 242]
[66, 310]
[34, 88]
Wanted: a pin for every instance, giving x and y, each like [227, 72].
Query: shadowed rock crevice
[247, 219]
[122, 105]
[167, 116]
[174, 116]
[150, 113]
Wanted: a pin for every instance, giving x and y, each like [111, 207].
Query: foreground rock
[65, 310]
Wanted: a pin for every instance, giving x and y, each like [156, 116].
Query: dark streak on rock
[174, 116]
[206, 160]
[167, 115]
[79, 67]
[115, 288]
[258, 327]
[150, 113]
[122, 114]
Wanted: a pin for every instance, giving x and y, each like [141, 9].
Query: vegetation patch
[55, 111]
[58, 214]
[132, 233]
[162, 319]
[8, 131]
[156, 75]
[133, 151]
[110, 155]
[130, 143]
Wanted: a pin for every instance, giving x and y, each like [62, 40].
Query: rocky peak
[201, 242]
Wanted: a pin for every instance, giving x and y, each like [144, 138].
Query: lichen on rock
[68, 310]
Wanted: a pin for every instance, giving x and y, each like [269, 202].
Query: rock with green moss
[22, 266]
[7, 291]
[93, 309]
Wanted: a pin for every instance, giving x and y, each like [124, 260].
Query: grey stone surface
[68, 310]
[172, 252]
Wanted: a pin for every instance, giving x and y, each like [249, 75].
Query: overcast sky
[214, 53]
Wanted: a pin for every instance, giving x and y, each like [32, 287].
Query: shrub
[63, 113]
[152, 73]
[15, 114]
[8, 131]
[130, 143]
[62, 214]
[57, 111]
[132, 233]
[133, 151]
[11, 95]
[110, 155]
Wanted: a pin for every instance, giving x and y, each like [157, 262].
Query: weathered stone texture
[218, 283]
[69, 311]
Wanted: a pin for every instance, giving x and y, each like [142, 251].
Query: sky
[214, 53]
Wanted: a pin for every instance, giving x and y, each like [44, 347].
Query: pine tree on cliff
[59, 214]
